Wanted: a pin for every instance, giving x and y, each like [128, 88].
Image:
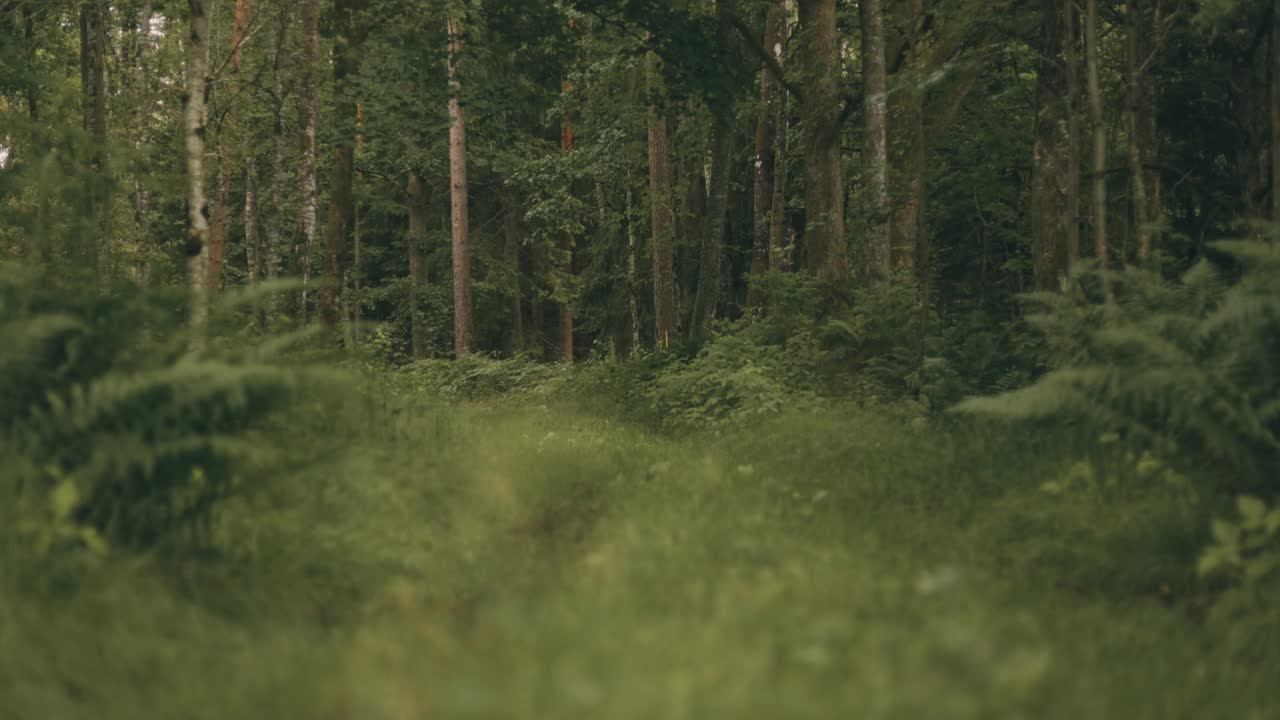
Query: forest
[401, 359]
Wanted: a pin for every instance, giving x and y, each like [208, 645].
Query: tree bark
[1099, 179]
[663, 219]
[275, 215]
[93, 82]
[875, 152]
[193, 119]
[252, 246]
[463, 322]
[825, 251]
[907, 147]
[304, 247]
[1140, 57]
[633, 302]
[417, 262]
[1275, 112]
[767, 130]
[1055, 178]
[566, 250]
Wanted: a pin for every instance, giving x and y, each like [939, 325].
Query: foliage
[482, 378]
[1187, 368]
[121, 428]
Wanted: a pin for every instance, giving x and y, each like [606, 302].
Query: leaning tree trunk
[875, 149]
[767, 129]
[1054, 170]
[304, 247]
[1099, 177]
[825, 252]
[463, 322]
[193, 118]
[663, 220]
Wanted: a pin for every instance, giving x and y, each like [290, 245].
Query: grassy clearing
[526, 561]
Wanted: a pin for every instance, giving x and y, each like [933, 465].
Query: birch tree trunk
[193, 119]
[875, 152]
[463, 322]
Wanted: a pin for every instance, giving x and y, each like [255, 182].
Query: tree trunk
[825, 251]
[1141, 119]
[767, 130]
[304, 247]
[1099, 179]
[1275, 112]
[417, 262]
[566, 250]
[463, 323]
[907, 148]
[781, 247]
[633, 302]
[875, 151]
[219, 219]
[193, 119]
[29, 51]
[1055, 178]
[709, 268]
[252, 246]
[663, 219]
[341, 220]
[93, 83]
[275, 215]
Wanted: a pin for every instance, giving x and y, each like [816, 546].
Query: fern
[1190, 366]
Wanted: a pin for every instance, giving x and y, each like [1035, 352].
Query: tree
[770, 125]
[197, 70]
[1055, 171]
[463, 320]
[340, 227]
[304, 248]
[1099, 177]
[1141, 46]
[662, 215]
[825, 251]
[875, 151]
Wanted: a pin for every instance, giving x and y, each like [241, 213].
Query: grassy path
[528, 563]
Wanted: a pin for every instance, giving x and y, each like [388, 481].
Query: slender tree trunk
[1099, 179]
[93, 81]
[1054, 177]
[252, 246]
[767, 130]
[566, 250]
[219, 219]
[29, 49]
[275, 214]
[463, 323]
[710, 266]
[780, 248]
[633, 302]
[1134, 59]
[1275, 112]
[875, 152]
[341, 220]
[907, 151]
[826, 255]
[304, 249]
[417, 262]
[663, 219]
[197, 85]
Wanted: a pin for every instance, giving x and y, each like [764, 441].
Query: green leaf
[1252, 510]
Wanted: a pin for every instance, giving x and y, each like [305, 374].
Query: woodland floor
[524, 561]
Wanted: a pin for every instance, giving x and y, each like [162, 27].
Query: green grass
[520, 560]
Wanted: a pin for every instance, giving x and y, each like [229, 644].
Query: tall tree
[875, 152]
[566, 250]
[417, 198]
[1099, 177]
[1141, 50]
[347, 44]
[463, 321]
[710, 266]
[1275, 112]
[1055, 176]
[275, 214]
[193, 120]
[772, 99]
[826, 255]
[663, 216]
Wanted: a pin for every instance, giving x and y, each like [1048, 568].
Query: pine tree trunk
[219, 219]
[767, 130]
[1099, 178]
[463, 323]
[304, 248]
[1055, 176]
[197, 80]
[663, 220]
[825, 251]
[875, 151]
